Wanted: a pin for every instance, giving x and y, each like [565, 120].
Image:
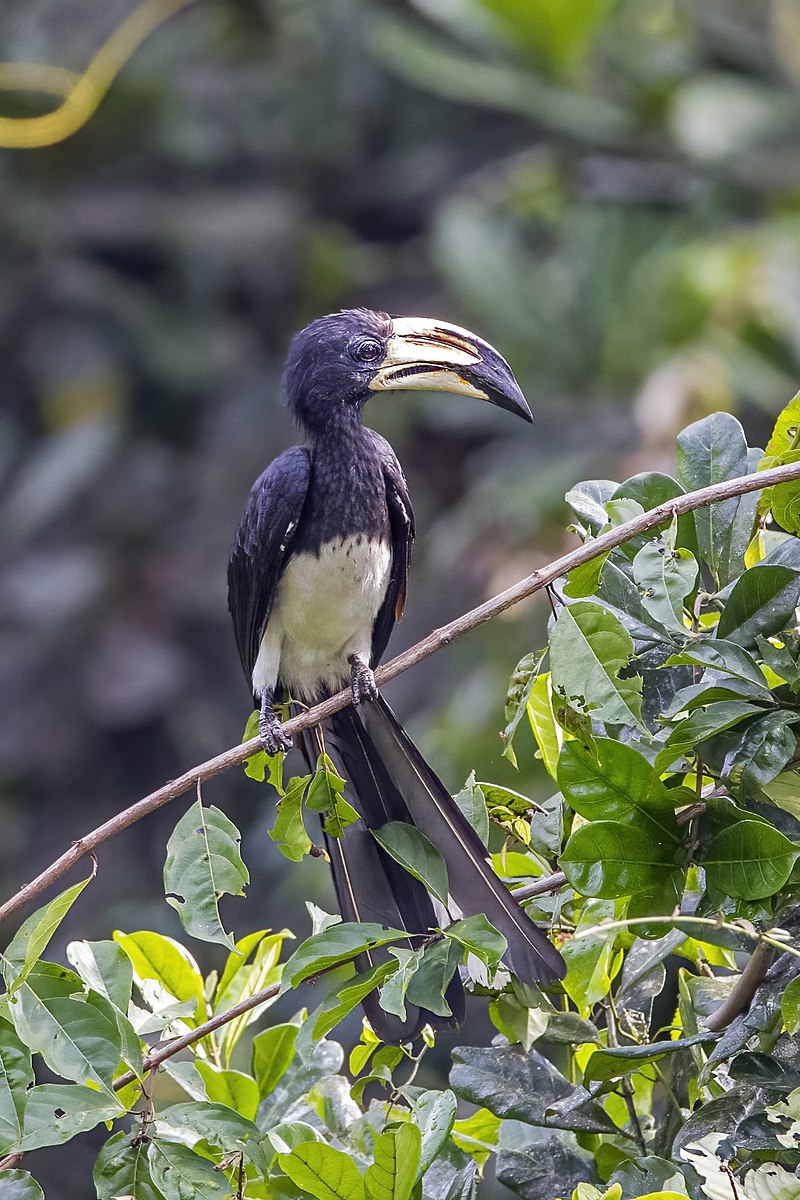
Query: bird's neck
[342, 435]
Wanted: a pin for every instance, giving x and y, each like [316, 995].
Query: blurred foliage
[609, 190]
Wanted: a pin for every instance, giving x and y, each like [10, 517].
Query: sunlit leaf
[393, 1172]
[33, 936]
[326, 1173]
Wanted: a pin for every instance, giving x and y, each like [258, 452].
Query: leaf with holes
[589, 648]
[665, 577]
[203, 864]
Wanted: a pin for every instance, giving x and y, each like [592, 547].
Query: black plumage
[317, 580]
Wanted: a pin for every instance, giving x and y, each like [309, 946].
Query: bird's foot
[362, 681]
[270, 730]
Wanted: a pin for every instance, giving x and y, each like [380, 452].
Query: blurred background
[609, 190]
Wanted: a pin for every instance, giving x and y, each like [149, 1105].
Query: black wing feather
[261, 548]
[401, 524]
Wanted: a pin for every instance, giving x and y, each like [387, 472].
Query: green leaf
[785, 502]
[106, 968]
[478, 936]
[477, 1135]
[273, 1051]
[761, 603]
[326, 795]
[432, 978]
[397, 1156]
[407, 846]
[711, 451]
[217, 1124]
[232, 1088]
[57, 1112]
[393, 992]
[237, 962]
[767, 746]
[546, 729]
[180, 1174]
[621, 1060]
[73, 1032]
[651, 489]
[123, 1169]
[262, 765]
[264, 971]
[585, 579]
[33, 936]
[161, 958]
[519, 689]
[289, 833]
[701, 725]
[472, 803]
[790, 1007]
[16, 1076]
[336, 1007]
[337, 944]
[618, 784]
[603, 859]
[749, 860]
[665, 577]
[203, 863]
[326, 1173]
[592, 962]
[435, 1114]
[719, 655]
[20, 1185]
[588, 649]
[785, 435]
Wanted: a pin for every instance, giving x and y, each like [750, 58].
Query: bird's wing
[401, 524]
[261, 547]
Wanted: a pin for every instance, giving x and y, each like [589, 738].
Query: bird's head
[337, 362]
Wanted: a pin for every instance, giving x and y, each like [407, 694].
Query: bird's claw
[362, 682]
[273, 739]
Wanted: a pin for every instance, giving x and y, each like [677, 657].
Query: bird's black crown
[330, 365]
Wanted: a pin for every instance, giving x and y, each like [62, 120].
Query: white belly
[324, 611]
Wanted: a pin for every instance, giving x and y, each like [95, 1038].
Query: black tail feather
[370, 885]
[473, 884]
[389, 780]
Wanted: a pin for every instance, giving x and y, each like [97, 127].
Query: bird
[317, 580]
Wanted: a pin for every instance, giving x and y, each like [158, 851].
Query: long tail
[370, 885]
[389, 780]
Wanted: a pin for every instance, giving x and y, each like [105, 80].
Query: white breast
[324, 611]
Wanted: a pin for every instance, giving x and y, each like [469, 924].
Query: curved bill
[431, 355]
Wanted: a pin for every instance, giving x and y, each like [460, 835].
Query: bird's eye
[367, 350]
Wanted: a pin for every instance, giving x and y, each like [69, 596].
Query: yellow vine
[82, 94]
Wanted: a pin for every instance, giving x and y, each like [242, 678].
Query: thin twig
[195, 1035]
[429, 645]
[744, 989]
[541, 886]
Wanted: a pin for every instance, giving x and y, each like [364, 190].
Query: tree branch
[155, 1059]
[429, 645]
[744, 989]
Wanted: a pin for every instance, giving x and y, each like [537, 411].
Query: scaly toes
[362, 684]
[273, 739]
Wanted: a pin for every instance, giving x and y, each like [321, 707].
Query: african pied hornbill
[316, 581]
